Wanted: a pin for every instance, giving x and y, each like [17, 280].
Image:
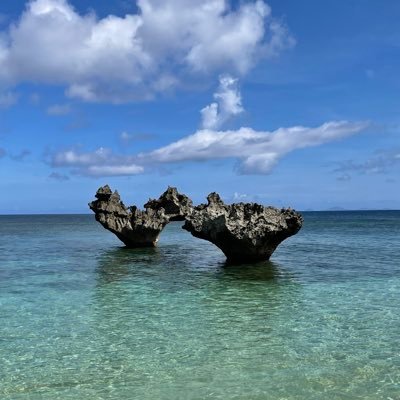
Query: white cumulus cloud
[256, 151]
[101, 162]
[120, 59]
[114, 170]
[228, 103]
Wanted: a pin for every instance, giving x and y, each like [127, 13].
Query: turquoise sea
[83, 318]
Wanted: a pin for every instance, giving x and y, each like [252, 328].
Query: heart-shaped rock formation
[245, 232]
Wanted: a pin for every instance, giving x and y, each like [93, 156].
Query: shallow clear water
[83, 318]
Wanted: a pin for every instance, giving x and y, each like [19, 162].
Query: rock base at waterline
[245, 232]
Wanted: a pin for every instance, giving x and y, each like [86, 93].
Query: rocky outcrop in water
[245, 232]
[135, 227]
[176, 206]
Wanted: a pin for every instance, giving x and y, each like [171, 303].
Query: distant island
[336, 209]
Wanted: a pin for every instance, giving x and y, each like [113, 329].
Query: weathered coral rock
[175, 205]
[244, 232]
[135, 227]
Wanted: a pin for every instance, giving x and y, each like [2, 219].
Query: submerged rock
[135, 227]
[245, 232]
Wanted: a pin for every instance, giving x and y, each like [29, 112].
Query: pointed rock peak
[104, 192]
[175, 204]
[172, 194]
[214, 199]
[171, 190]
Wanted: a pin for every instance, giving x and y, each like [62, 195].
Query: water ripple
[83, 318]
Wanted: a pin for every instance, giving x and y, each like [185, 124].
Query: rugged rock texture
[134, 227]
[244, 232]
[175, 205]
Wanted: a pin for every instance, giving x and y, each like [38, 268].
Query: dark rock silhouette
[245, 232]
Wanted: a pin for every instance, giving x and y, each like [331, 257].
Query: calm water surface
[83, 318]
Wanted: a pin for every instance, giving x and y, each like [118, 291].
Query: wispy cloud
[126, 58]
[8, 99]
[59, 177]
[256, 152]
[113, 170]
[127, 138]
[59, 109]
[101, 162]
[239, 197]
[21, 155]
[380, 163]
[228, 103]
[344, 178]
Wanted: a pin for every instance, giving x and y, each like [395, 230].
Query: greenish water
[83, 318]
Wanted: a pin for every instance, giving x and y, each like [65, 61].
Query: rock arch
[245, 232]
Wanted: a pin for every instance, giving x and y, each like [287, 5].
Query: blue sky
[281, 102]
